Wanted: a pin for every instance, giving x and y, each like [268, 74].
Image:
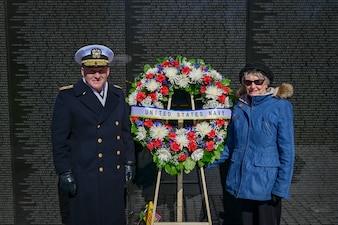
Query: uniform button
[100, 155]
[98, 126]
[118, 167]
[101, 169]
[116, 123]
[118, 137]
[99, 140]
[118, 152]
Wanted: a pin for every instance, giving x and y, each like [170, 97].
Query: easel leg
[179, 197]
[206, 199]
[157, 188]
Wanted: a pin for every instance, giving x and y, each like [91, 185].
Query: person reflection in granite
[93, 150]
[260, 146]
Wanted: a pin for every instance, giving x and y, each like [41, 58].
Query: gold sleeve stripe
[66, 87]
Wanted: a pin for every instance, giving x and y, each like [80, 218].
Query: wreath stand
[180, 188]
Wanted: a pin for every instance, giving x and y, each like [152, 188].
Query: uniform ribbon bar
[164, 114]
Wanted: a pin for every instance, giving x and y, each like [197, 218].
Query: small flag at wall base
[149, 213]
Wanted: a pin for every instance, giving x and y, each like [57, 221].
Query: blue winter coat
[95, 142]
[260, 147]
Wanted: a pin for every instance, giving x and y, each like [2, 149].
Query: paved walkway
[314, 197]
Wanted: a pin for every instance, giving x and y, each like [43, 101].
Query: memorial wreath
[173, 147]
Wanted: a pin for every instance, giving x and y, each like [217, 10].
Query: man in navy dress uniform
[93, 150]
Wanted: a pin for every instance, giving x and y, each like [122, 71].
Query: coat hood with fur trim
[284, 90]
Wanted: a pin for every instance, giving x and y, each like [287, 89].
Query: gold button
[99, 140]
[118, 137]
[116, 123]
[118, 152]
[100, 155]
[101, 169]
[118, 167]
[98, 126]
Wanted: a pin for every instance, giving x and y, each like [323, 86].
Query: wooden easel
[180, 188]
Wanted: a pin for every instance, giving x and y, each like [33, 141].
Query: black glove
[275, 198]
[129, 171]
[67, 182]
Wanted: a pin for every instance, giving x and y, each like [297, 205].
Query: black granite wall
[38, 38]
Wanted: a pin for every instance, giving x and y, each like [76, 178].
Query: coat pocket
[267, 160]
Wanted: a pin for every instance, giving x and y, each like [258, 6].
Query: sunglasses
[249, 82]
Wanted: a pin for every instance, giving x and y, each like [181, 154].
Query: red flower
[176, 63]
[212, 134]
[172, 135]
[150, 146]
[148, 123]
[139, 84]
[221, 99]
[191, 136]
[220, 122]
[202, 89]
[150, 75]
[140, 96]
[166, 64]
[160, 78]
[186, 70]
[182, 158]
[192, 146]
[152, 96]
[207, 79]
[226, 90]
[157, 143]
[133, 118]
[167, 125]
[164, 90]
[209, 146]
[175, 146]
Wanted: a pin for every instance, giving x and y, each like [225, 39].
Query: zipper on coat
[245, 150]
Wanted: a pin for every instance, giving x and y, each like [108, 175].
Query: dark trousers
[261, 212]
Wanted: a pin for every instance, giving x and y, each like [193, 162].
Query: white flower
[181, 131]
[221, 134]
[212, 104]
[216, 75]
[147, 101]
[159, 96]
[186, 64]
[143, 81]
[203, 129]
[212, 92]
[152, 70]
[141, 133]
[182, 81]
[132, 98]
[163, 154]
[197, 154]
[182, 140]
[152, 85]
[228, 103]
[196, 75]
[159, 132]
[171, 73]
[158, 105]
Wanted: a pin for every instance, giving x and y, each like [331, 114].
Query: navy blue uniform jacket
[95, 142]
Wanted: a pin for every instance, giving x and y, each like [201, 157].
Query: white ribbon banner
[164, 114]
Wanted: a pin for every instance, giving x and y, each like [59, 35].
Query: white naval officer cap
[94, 55]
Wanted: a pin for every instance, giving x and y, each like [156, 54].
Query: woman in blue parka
[260, 146]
